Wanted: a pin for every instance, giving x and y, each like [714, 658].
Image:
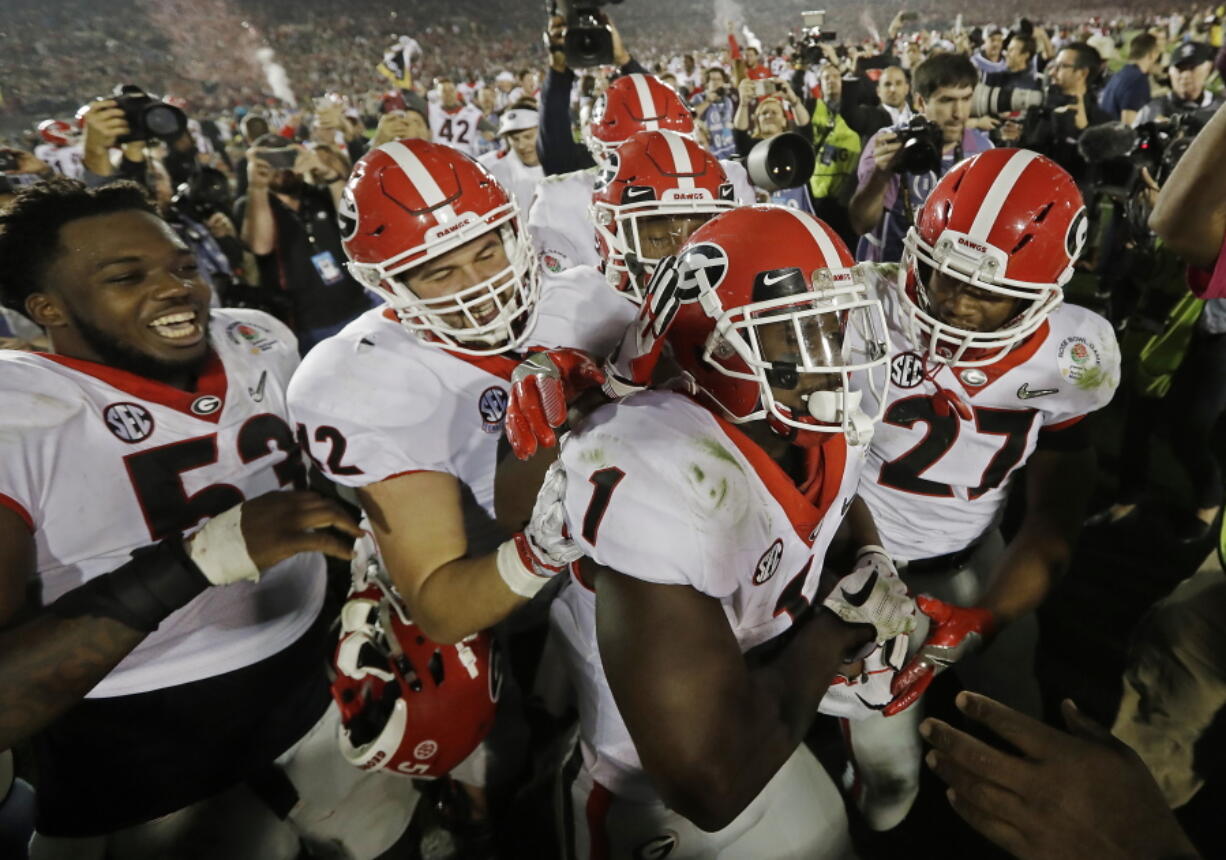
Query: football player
[406, 404]
[702, 645]
[454, 122]
[991, 372]
[517, 167]
[558, 221]
[161, 572]
[61, 148]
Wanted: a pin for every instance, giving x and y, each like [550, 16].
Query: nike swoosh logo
[768, 281]
[631, 193]
[1025, 392]
[257, 393]
[859, 597]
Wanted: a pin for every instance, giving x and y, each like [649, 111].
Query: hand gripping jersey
[561, 227]
[375, 402]
[457, 127]
[100, 462]
[659, 488]
[936, 479]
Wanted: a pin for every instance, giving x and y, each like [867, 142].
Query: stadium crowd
[341, 263]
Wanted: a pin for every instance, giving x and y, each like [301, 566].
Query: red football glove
[542, 387]
[956, 631]
[632, 364]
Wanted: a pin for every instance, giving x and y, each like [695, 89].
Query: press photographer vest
[838, 152]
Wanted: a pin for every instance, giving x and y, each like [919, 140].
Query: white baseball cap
[517, 119]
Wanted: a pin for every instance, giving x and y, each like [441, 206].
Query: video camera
[206, 193]
[808, 46]
[1036, 106]
[589, 40]
[147, 117]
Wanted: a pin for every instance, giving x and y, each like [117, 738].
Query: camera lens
[163, 121]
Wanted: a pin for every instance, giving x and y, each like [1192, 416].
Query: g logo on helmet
[347, 215]
[702, 269]
[608, 172]
[1078, 230]
[656, 848]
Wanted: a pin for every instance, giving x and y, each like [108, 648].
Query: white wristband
[220, 551]
[515, 573]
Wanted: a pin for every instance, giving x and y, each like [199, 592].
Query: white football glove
[869, 692]
[542, 550]
[873, 594]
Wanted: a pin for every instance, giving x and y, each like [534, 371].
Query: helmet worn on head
[409, 705]
[653, 174]
[634, 103]
[780, 314]
[1006, 221]
[57, 132]
[411, 201]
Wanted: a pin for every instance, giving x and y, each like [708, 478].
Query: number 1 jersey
[100, 462]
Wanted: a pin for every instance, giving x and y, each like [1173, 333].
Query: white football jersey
[515, 176]
[660, 489]
[65, 160]
[100, 462]
[375, 401]
[935, 481]
[560, 224]
[457, 127]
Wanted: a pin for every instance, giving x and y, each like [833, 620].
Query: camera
[809, 45]
[281, 158]
[588, 41]
[783, 161]
[993, 101]
[767, 87]
[922, 142]
[206, 193]
[147, 117]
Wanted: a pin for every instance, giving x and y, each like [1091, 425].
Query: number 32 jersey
[100, 462]
[660, 489]
[936, 479]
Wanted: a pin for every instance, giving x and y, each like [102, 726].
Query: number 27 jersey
[935, 479]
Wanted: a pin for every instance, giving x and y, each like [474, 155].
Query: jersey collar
[207, 398]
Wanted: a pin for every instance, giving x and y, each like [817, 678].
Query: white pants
[797, 816]
[887, 752]
[342, 813]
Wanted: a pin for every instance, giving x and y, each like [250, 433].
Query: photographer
[105, 124]
[715, 108]
[288, 221]
[1071, 108]
[1128, 89]
[888, 195]
[559, 151]
[1190, 67]
[763, 113]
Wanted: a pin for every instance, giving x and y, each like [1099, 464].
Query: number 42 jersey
[938, 473]
[100, 462]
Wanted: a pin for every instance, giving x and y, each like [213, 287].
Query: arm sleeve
[1210, 284]
[555, 144]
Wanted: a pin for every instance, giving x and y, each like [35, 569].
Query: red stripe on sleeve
[19, 509]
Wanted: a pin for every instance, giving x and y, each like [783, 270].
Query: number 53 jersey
[940, 461]
[99, 462]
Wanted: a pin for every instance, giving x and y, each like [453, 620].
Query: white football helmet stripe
[646, 103]
[421, 179]
[994, 200]
[828, 249]
[681, 160]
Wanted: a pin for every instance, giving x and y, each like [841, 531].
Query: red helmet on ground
[634, 103]
[409, 705]
[411, 201]
[1006, 221]
[57, 132]
[789, 313]
[652, 176]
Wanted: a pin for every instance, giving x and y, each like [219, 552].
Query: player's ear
[46, 310]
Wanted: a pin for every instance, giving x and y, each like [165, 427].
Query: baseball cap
[517, 119]
[1192, 54]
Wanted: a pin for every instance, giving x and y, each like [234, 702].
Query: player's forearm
[758, 729]
[1032, 563]
[461, 598]
[49, 663]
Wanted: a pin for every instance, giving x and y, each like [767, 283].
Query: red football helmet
[409, 705]
[58, 133]
[787, 314]
[634, 103]
[1006, 221]
[654, 174]
[411, 201]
